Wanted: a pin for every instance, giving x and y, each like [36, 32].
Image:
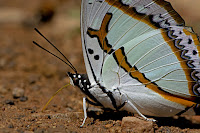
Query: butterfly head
[79, 80]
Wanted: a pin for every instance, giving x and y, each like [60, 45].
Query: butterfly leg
[85, 111]
[92, 103]
[133, 107]
[85, 99]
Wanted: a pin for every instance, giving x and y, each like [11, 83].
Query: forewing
[106, 25]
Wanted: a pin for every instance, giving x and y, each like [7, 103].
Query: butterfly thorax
[80, 80]
[99, 95]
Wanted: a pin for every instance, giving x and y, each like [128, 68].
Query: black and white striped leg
[135, 108]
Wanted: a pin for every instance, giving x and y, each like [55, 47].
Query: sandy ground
[29, 76]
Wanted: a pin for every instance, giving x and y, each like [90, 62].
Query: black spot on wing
[96, 57]
[194, 52]
[189, 41]
[90, 51]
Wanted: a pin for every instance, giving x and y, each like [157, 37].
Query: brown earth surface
[29, 76]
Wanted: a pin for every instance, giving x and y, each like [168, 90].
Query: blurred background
[28, 75]
[190, 11]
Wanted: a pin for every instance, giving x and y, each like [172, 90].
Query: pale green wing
[163, 61]
[108, 24]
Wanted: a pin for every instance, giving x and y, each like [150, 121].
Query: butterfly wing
[158, 70]
[162, 58]
[108, 24]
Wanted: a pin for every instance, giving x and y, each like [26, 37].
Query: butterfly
[140, 57]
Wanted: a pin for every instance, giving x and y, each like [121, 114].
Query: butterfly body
[101, 96]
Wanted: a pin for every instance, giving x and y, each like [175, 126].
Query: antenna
[68, 62]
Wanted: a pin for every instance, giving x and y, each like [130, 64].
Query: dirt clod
[23, 99]
[196, 119]
[139, 125]
[18, 92]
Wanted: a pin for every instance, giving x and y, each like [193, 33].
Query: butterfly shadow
[106, 115]
[180, 122]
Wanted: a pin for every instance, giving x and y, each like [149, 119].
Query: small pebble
[49, 117]
[10, 102]
[18, 92]
[23, 99]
